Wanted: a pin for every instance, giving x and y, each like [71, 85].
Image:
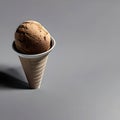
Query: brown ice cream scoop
[32, 38]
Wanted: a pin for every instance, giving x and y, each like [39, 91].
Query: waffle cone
[34, 65]
[34, 70]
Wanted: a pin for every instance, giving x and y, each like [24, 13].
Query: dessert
[32, 44]
[32, 38]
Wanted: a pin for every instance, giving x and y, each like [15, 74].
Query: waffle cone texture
[34, 70]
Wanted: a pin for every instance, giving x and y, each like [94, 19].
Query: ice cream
[32, 38]
[33, 43]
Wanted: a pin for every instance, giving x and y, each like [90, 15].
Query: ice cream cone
[34, 65]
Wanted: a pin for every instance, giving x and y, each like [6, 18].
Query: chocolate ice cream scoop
[32, 38]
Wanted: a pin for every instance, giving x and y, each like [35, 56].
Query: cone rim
[34, 55]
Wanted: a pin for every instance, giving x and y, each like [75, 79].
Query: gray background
[82, 78]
